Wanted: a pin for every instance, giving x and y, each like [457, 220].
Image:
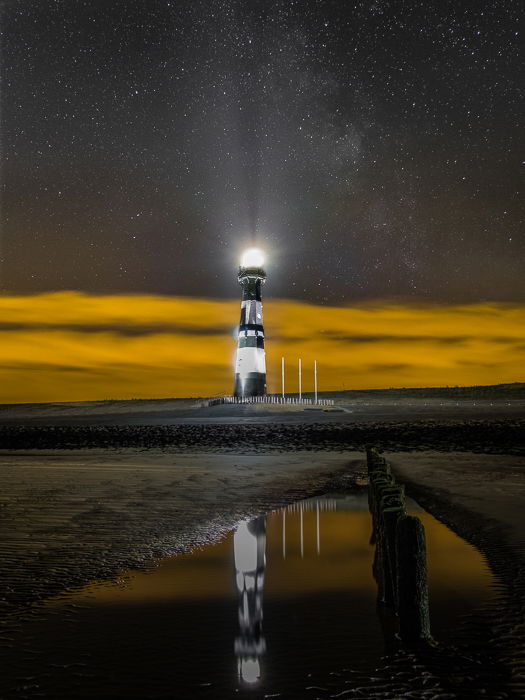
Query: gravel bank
[495, 437]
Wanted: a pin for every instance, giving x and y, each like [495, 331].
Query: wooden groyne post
[412, 604]
[400, 567]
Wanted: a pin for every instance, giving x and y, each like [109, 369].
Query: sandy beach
[85, 491]
[69, 517]
[192, 411]
[82, 500]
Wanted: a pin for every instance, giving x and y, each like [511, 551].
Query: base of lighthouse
[250, 371]
[252, 385]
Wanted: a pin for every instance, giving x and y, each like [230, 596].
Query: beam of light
[250, 670]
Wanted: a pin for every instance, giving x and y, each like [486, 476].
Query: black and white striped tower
[250, 362]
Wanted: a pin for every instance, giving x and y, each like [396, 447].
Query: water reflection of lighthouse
[249, 546]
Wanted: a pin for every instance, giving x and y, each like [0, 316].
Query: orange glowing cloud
[69, 346]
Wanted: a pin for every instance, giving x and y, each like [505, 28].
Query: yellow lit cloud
[70, 346]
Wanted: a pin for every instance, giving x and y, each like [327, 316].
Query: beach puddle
[276, 608]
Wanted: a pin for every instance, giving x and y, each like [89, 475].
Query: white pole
[284, 533]
[302, 532]
[318, 531]
[300, 380]
[315, 380]
[282, 376]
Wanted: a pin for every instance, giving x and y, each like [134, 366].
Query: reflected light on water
[305, 569]
[245, 549]
[336, 556]
[249, 551]
[249, 670]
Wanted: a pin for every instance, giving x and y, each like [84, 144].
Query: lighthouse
[250, 361]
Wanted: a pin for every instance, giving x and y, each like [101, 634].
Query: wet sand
[74, 516]
[81, 500]
[70, 517]
[485, 489]
[104, 493]
[481, 498]
[315, 596]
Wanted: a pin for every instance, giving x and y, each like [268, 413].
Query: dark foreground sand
[482, 498]
[72, 516]
[94, 499]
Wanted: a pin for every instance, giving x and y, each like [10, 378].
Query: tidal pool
[282, 603]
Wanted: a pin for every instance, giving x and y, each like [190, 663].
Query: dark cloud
[452, 340]
[126, 330]
[43, 367]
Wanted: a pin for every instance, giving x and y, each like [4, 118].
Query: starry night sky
[373, 149]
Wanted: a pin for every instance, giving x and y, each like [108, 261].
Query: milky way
[373, 149]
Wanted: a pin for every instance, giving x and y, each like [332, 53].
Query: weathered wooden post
[376, 486]
[391, 496]
[378, 570]
[389, 517]
[387, 496]
[412, 589]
